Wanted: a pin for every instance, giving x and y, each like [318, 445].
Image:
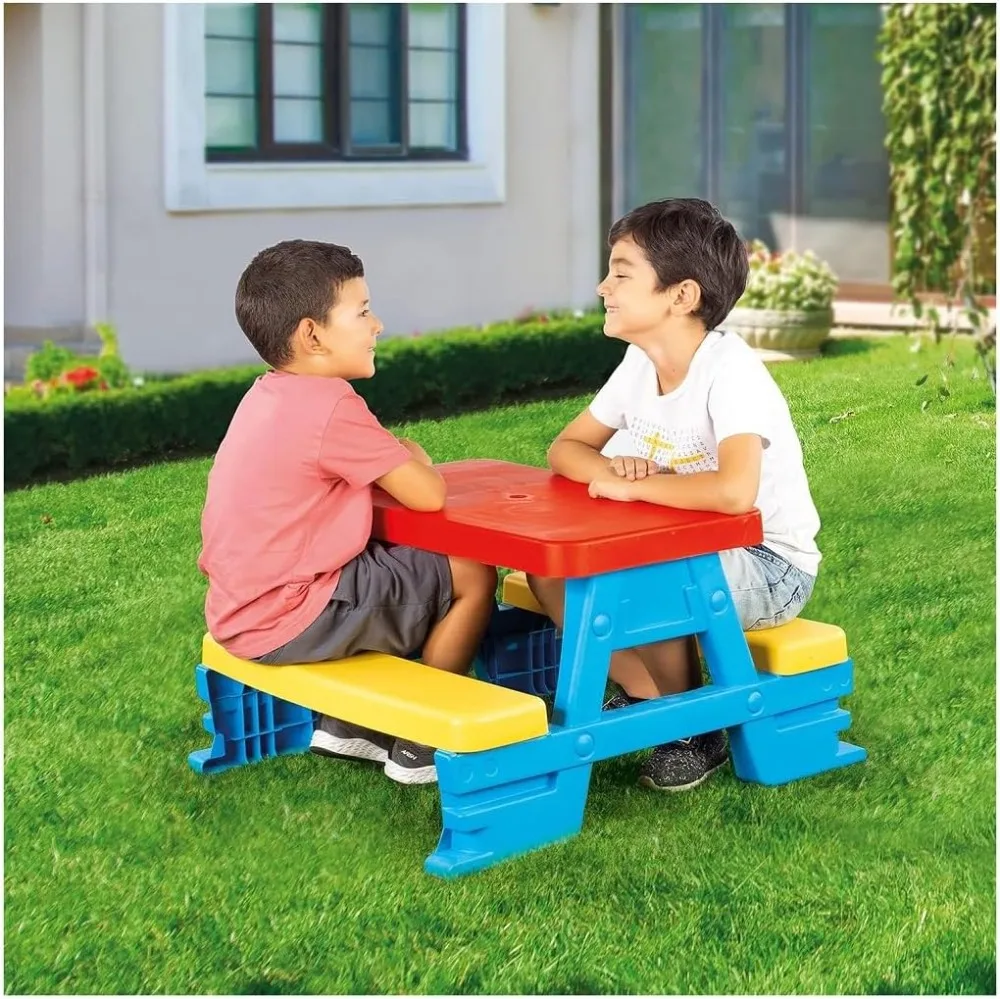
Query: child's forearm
[697, 491]
[576, 460]
[416, 450]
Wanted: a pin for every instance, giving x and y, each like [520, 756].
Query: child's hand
[634, 468]
[416, 450]
[612, 487]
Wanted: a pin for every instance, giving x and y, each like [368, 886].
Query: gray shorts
[767, 589]
[387, 600]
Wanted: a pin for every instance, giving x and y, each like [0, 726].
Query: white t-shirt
[727, 391]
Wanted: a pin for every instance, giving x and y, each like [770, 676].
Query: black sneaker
[620, 700]
[342, 740]
[685, 763]
[411, 763]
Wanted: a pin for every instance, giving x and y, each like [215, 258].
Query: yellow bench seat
[797, 647]
[397, 696]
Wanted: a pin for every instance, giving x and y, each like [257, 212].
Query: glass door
[664, 118]
[772, 112]
[751, 166]
[844, 200]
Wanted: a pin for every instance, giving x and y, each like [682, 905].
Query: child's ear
[306, 335]
[686, 297]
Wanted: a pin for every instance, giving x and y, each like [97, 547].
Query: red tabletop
[527, 518]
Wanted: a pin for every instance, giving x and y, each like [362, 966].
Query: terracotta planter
[777, 335]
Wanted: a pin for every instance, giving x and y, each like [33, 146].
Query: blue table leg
[483, 825]
[480, 828]
[798, 742]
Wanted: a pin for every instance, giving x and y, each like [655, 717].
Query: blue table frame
[505, 801]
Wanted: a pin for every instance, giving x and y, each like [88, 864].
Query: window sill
[248, 186]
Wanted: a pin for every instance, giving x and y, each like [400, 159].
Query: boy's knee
[472, 579]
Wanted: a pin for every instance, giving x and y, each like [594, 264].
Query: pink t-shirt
[289, 504]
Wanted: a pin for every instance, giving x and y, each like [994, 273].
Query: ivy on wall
[939, 83]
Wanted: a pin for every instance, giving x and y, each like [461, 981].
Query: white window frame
[192, 185]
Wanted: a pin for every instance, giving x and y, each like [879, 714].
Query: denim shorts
[767, 589]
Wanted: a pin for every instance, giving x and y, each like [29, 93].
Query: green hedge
[466, 368]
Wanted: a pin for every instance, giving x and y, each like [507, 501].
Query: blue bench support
[246, 725]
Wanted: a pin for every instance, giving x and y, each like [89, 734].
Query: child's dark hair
[286, 283]
[687, 238]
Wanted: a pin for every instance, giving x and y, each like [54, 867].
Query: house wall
[43, 173]
[171, 276]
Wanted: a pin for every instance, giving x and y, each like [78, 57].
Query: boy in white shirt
[705, 427]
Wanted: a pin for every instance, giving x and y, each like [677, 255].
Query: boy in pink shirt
[293, 573]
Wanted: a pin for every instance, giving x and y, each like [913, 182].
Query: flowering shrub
[82, 379]
[457, 369]
[53, 370]
[786, 281]
[78, 379]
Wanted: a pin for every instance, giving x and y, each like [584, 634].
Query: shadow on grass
[852, 347]
[978, 977]
[274, 984]
[64, 475]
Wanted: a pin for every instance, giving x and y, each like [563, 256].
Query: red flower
[81, 377]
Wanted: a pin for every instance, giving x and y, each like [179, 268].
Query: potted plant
[786, 311]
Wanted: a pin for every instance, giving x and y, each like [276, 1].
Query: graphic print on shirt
[680, 449]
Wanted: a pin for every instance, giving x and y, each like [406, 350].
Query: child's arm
[732, 489]
[576, 452]
[416, 485]
[416, 450]
[358, 449]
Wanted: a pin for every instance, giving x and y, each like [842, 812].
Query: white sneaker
[343, 740]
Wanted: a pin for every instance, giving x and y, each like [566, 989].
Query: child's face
[633, 304]
[346, 341]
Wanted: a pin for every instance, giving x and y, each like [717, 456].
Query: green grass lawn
[126, 872]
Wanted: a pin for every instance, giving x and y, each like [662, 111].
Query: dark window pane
[371, 73]
[374, 57]
[372, 124]
[370, 23]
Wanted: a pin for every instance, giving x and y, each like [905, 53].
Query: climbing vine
[939, 84]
